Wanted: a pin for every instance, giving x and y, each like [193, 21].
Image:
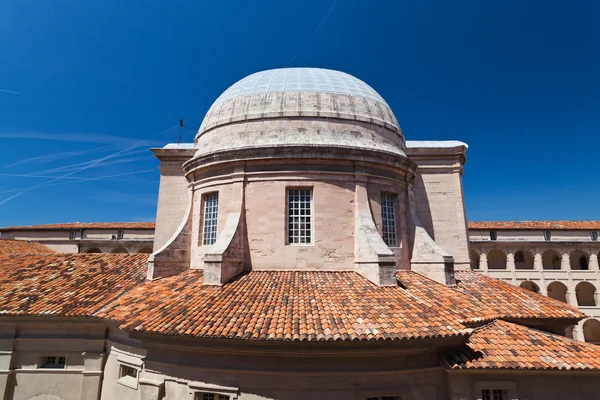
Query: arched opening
[496, 259]
[569, 332]
[591, 330]
[557, 291]
[523, 259]
[531, 286]
[579, 260]
[551, 259]
[119, 250]
[475, 260]
[146, 250]
[585, 294]
[94, 250]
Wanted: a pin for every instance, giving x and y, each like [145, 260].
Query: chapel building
[303, 249]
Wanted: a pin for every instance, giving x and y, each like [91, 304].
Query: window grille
[547, 236]
[385, 398]
[388, 219]
[493, 235]
[73, 235]
[120, 235]
[210, 396]
[211, 211]
[493, 394]
[594, 236]
[299, 213]
[53, 362]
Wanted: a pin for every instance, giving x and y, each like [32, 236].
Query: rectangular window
[210, 396]
[547, 236]
[120, 235]
[493, 235]
[388, 219]
[299, 212]
[126, 370]
[594, 236]
[211, 211]
[493, 394]
[53, 362]
[73, 235]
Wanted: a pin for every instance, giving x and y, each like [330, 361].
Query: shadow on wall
[422, 205]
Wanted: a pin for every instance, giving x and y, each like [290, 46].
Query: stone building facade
[303, 249]
[558, 259]
[94, 237]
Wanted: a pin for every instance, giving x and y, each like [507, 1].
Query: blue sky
[86, 87]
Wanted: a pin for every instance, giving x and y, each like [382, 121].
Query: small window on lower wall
[385, 398]
[493, 394]
[210, 396]
[53, 362]
[128, 376]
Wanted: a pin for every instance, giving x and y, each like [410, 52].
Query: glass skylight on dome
[300, 80]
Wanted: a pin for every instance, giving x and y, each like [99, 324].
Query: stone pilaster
[483, 263]
[510, 261]
[537, 262]
[565, 263]
[593, 264]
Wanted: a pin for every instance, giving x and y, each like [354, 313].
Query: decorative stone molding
[174, 256]
[227, 256]
[428, 258]
[372, 257]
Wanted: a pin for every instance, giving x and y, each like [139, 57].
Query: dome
[299, 92]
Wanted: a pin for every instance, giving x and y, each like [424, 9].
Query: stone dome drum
[299, 107]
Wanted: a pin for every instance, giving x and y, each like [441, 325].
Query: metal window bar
[299, 213]
[493, 394]
[388, 219]
[211, 211]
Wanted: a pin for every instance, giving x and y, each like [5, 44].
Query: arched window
[119, 250]
[557, 291]
[94, 250]
[519, 257]
[531, 286]
[591, 330]
[496, 259]
[551, 259]
[475, 260]
[579, 260]
[585, 294]
[523, 259]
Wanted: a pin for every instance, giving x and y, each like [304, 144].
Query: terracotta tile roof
[513, 302]
[468, 309]
[83, 225]
[8, 246]
[503, 345]
[282, 305]
[66, 284]
[558, 225]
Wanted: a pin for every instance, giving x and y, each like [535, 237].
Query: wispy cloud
[9, 91]
[58, 156]
[79, 137]
[95, 162]
[72, 179]
[90, 165]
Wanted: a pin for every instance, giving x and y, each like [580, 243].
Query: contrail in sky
[9, 91]
[312, 35]
[94, 162]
